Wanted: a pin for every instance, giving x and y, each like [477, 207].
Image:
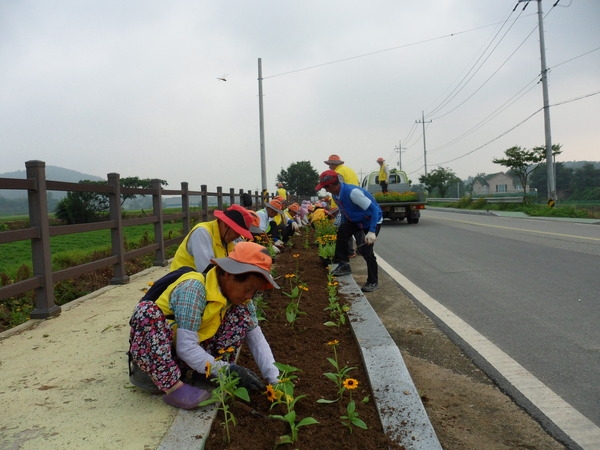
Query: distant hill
[52, 173]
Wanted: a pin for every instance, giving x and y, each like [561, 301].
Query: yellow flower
[221, 351]
[297, 255]
[207, 369]
[271, 393]
[334, 342]
[230, 350]
[350, 383]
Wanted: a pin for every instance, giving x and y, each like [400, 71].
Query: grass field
[75, 247]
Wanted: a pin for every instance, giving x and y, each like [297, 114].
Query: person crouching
[199, 322]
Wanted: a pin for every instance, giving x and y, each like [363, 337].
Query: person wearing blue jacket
[360, 213]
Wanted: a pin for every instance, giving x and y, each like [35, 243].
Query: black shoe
[369, 287]
[341, 269]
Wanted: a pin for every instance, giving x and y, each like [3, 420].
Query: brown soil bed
[305, 346]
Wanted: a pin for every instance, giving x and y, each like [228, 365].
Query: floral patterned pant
[151, 342]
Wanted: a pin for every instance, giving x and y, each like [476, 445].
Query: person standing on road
[213, 239]
[195, 325]
[348, 176]
[360, 213]
[384, 175]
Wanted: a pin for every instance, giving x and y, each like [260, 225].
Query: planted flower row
[285, 397]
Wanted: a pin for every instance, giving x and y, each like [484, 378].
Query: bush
[464, 202]
[480, 203]
[559, 211]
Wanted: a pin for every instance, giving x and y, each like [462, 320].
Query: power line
[493, 114]
[490, 77]
[581, 97]
[509, 102]
[458, 87]
[424, 41]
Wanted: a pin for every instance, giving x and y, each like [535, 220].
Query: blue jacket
[366, 219]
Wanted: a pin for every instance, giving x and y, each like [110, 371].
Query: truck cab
[400, 202]
[398, 182]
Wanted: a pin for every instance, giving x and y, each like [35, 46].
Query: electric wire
[489, 78]
[474, 69]
[591, 94]
[424, 41]
[521, 93]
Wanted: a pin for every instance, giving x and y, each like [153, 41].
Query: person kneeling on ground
[199, 322]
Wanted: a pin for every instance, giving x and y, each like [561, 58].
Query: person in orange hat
[268, 223]
[255, 227]
[291, 217]
[348, 175]
[213, 239]
[197, 323]
[384, 175]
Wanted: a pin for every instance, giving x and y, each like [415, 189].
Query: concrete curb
[401, 411]
[399, 405]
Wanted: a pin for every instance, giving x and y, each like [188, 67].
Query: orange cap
[248, 257]
[255, 226]
[334, 159]
[276, 205]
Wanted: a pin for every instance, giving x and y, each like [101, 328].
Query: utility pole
[399, 150]
[424, 145]
[548, 134]
[263, 162]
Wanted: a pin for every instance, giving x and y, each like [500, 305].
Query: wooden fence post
[40, 245]
[185, 208]
[220, 198]
[204, 203]
[116, 233]
[160, 256]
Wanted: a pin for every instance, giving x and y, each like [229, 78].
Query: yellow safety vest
[182, 256]
[216, 303]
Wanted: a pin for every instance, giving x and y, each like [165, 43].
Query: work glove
[295, 226]
[275, 250]
[278, 243]
[248, 379]
[370, 238]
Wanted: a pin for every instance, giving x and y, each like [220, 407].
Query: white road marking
[574, 424]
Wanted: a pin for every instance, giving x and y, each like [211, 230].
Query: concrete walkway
[65, 384]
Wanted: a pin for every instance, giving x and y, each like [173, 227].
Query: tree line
[574, 184]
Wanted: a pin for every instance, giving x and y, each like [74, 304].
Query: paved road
[529, 288]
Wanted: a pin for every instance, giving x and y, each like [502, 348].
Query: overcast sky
[132, 86]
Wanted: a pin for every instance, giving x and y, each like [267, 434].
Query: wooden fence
[39, 231]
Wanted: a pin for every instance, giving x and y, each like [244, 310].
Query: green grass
[75, 247]
[535, 210]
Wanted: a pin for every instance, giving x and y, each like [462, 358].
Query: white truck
[400, 202]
